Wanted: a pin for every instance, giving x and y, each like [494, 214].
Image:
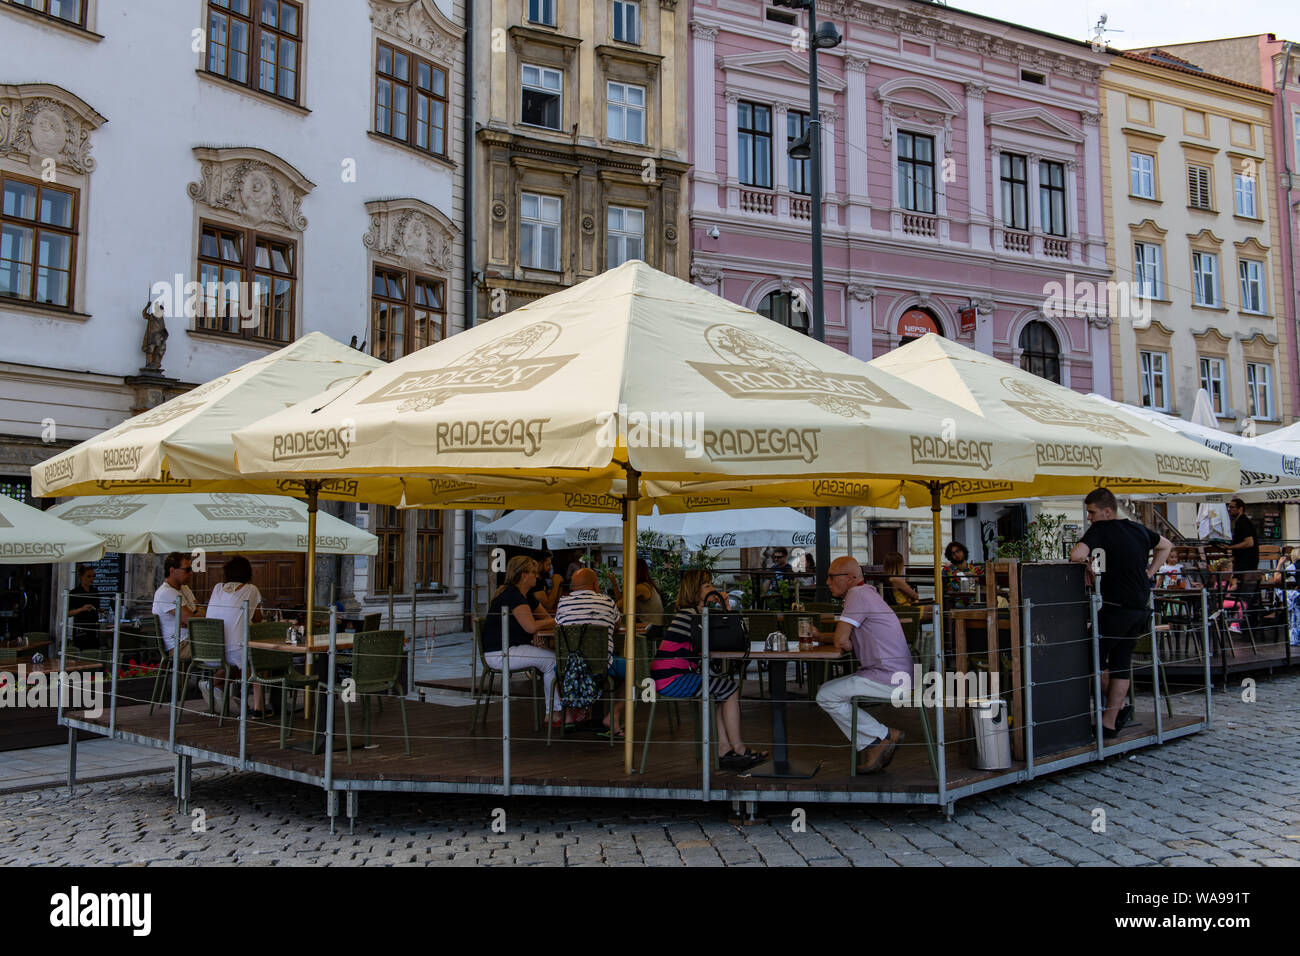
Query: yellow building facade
[1194, 243]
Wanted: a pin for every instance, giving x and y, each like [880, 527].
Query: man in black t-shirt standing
[1132, 556]
[1245, 550]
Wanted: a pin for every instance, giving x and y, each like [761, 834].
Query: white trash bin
[992, 750]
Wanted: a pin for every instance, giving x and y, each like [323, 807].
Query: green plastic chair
[591, 641]
[376, 668]
[484, 680]
[275, 669]
[208, 654]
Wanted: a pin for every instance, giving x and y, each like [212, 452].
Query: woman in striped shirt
[677, 673]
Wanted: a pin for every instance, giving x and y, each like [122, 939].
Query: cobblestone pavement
[1226, 798]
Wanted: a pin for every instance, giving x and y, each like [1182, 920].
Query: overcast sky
[1147, 22]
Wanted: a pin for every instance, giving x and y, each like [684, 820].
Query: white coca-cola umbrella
[748, 528]
[714, 530]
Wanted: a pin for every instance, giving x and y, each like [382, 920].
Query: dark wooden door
[280, 577]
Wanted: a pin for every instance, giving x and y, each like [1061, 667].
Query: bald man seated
[868, 627]
[585, 605]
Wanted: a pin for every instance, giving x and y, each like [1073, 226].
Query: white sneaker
[205, 687]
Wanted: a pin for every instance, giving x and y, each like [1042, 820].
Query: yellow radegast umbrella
[1079, 443]
[220, 521]
[681, 383]
[31, 536]
[184, 444]
[630, 376]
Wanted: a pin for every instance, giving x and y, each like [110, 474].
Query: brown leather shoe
[876, 757]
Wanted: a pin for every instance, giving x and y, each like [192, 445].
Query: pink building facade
[961, 180]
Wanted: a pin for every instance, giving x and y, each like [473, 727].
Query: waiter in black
[1133, 554]
[1245, 552]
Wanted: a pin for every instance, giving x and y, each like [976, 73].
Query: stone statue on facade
[154, 345]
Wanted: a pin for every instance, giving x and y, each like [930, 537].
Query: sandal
[618, 735]
[756, 758]
[734, 761]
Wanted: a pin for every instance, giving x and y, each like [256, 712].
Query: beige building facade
[580, 110]
[1195, 243]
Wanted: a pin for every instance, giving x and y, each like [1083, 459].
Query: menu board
[110, 579]
[1271, 529]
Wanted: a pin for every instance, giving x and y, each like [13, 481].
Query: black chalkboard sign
[1272, 526]
[110, 579]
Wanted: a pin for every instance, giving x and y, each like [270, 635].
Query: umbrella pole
[629, 614]
[938, 564]
[312, 488]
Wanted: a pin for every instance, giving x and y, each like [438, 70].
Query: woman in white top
[227, 604]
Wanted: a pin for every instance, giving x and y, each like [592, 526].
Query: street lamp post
[809, 146]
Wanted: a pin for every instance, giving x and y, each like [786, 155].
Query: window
[541, 97]
[1142, 175]
[1015, 191]
[1051, 197]
[796, 123]
[69, 11]
[625, 112]
[410, 100]
[627, 21]
[1147, 270]
[542, 11]
[428, 547]
[539, 232]
[266, 29]
[1213, 379]
[1155, 381]
[624, 235]
[787, 309]
[407, 312]
[1205, 278]
[1243, 188]
[38, 242]
[754, 144]
[1252, 286]
[1295, 128]
[1039, 352]
[1029, 76]
[390, 529]
[916, 172]
[1259, 390]
[1198, 187]
[242, 271]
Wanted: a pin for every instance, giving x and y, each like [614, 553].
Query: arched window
[1040, 351]
[787, 309]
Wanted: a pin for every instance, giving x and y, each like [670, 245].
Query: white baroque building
[311, 149]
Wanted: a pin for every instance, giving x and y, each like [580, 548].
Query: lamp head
[801, 148]
[827, 36]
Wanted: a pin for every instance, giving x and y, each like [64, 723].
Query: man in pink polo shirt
[868, 627]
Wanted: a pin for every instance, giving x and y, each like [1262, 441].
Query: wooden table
[980, 618]
[780, 762]
[320, 644]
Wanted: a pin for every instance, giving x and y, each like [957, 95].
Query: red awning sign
[915, 323]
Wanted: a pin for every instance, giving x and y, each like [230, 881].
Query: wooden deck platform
[446, 758]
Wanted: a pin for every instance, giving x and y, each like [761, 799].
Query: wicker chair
[208, 654]
[275, 669]
[591, 641]
[376, 668]
[485, 681]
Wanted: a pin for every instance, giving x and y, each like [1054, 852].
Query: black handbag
[727, 630]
